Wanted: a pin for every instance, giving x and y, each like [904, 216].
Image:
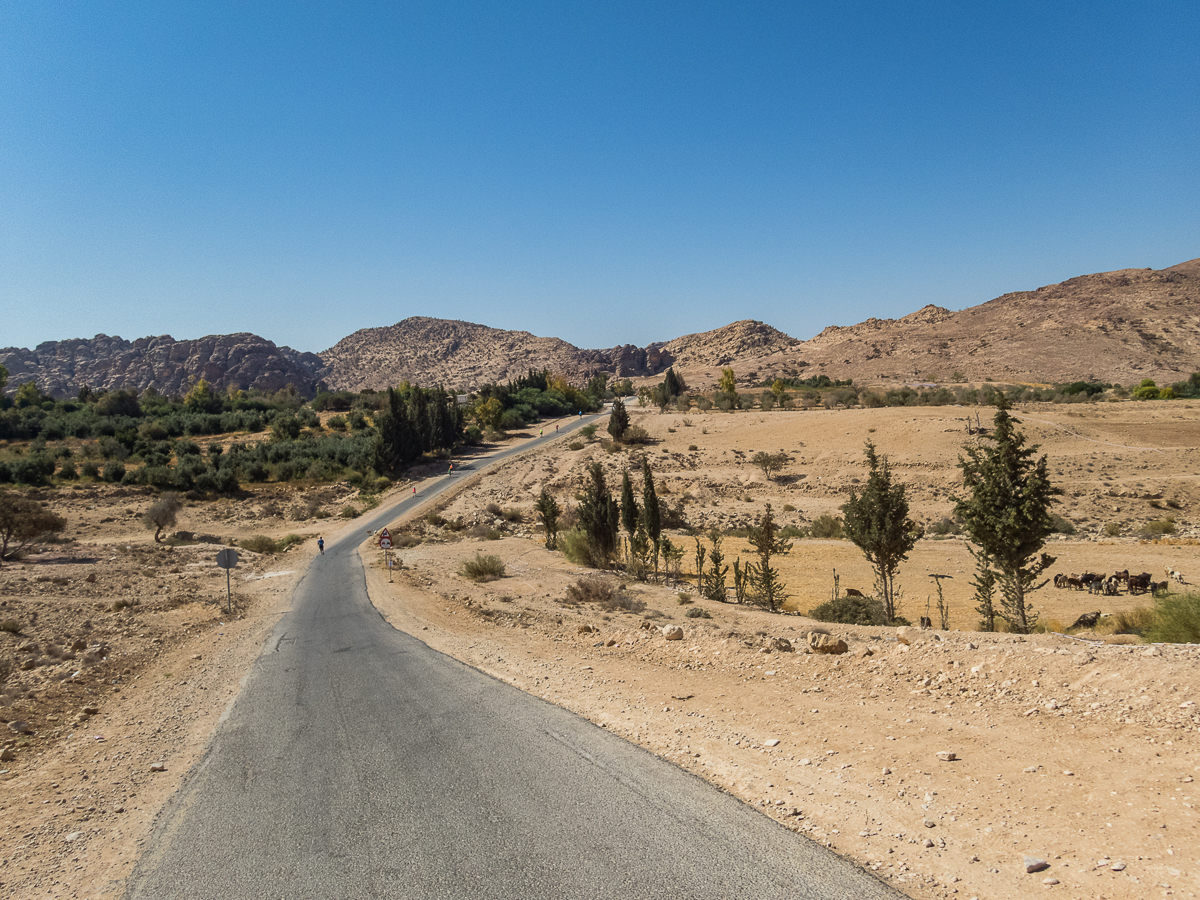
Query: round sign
[227, 559]
[385, 543]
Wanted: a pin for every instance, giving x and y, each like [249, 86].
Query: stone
[773, 742]
[947, 755]
[672, 632]
[782, 644]
[73, 836]
[1050, 881]
[929, 823]
[1033, 864]
[611, 642]
[91, 578]
[587, 629]
[1118, 866]
[908, 635]
[886, 771]
[29, 647]
[20, 727]
[6, 755]
[927, 843]
[158, 767]
[826, 643]
[78, 644]
[865, 652]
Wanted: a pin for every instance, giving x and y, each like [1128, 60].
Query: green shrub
[482, 568]
[697, 613]
[350, 512]
[576, 547]
[851, 611]
[261, 543]
[787, 507]
[1134, 621]
[12, 626]
[943, 527]
[826, 526]
[1176, 620]
[693, 447]
[1062, 525]
[1112, 529]
[1158, 527]
[588, 431]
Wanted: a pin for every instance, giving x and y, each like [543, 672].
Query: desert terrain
[940, 762]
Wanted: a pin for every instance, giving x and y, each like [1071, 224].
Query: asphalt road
[358, 763]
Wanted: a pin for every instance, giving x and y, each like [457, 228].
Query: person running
[321, 544]
[451, 470]
[414, 492]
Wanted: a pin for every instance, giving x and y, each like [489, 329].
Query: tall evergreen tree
[1006, 513]
[714, 578]
[618, 421]
[651, 515]
[877, 522]
[599, 515]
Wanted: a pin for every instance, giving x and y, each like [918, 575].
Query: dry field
[1079, 753]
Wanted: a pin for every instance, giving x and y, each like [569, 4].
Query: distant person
[414, 492]
[451, 470]
[321, 544]
[542, 432]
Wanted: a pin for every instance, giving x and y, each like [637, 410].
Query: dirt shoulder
[1081, 754]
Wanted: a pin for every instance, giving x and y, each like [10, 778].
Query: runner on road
[321, 544]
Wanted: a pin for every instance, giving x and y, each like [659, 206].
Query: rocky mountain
[724, 346]
[441, 351]
[1117, 326]
[61, 368]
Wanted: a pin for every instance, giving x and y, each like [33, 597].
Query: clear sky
[608, 172]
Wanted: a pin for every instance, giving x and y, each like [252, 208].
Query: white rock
[773, 742]
[672, 632]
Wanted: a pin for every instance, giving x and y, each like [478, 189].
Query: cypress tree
[630, 512]
[599, 516]
[877, 522]
[1006, 513]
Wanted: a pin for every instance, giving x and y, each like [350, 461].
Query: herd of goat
[1110, 585]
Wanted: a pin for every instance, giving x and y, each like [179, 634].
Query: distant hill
[61, 368]
[1119, 326]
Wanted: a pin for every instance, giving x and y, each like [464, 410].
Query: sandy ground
[1079, 753]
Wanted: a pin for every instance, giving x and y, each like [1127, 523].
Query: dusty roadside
[1081, 755]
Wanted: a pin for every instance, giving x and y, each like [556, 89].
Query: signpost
[385, 544]
[227, 559]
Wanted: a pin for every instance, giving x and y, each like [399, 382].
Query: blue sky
[601, 172]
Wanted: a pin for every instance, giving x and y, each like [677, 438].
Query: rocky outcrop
[62, 368]
[451, 353]
[724, 346]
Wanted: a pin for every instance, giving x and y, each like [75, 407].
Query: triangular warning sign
[384, 533]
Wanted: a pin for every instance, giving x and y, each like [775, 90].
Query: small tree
[24, 521]
[728, 383]
[984, 583]
[630, 511]
[162, 514]
[877, 522]
[770, 462]
[741, 580]
[651, 516]
[701, 552]
[598, 515]
[548, 511]
[1006, 513]
[764, 538]
[618, 421]
[714, 578]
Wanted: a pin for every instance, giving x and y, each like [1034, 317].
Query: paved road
[358, 763]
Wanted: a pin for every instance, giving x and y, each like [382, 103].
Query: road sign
[227, 559]
[385, 539]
